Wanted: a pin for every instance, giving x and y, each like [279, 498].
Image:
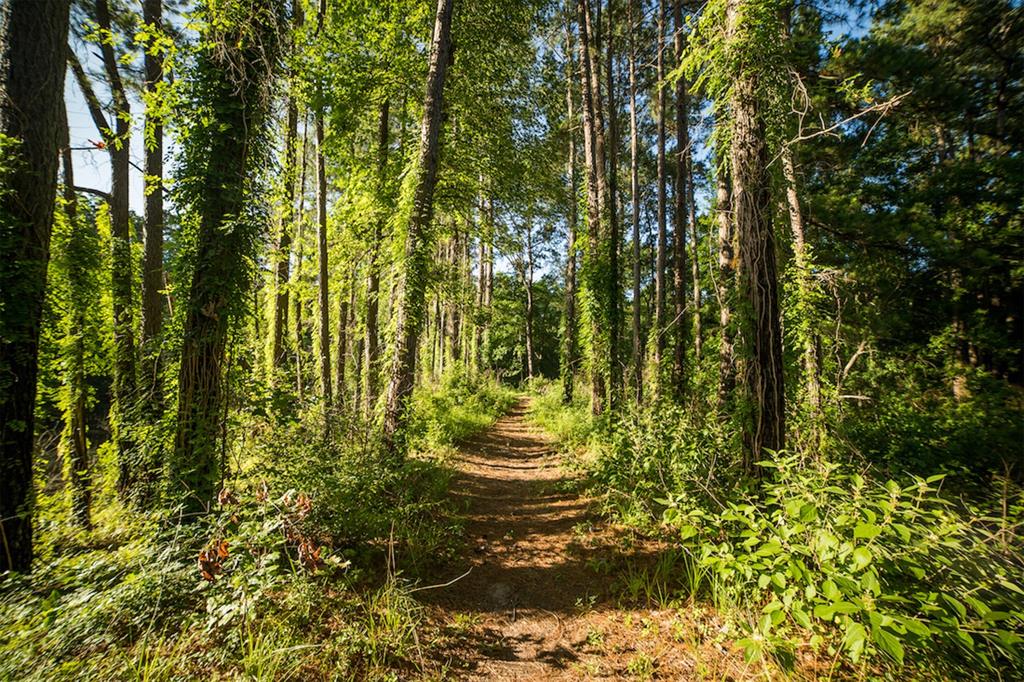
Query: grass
[126, 600]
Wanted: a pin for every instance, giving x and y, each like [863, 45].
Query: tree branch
[93, 102]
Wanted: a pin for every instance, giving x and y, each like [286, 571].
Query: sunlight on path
[539, 602]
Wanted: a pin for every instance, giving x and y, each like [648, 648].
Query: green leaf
[888, 643]
[868, 531]
[861, 557]
[801, 617]
[854, 640]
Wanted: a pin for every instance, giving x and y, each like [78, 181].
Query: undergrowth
[303, 571]
[866, 575]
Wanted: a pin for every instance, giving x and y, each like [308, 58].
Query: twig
[450, 582]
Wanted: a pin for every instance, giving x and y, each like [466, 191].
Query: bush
[865, 567]
[460, 405]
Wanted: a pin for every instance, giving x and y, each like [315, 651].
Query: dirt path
[539, 602]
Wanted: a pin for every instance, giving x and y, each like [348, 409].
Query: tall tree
[373, 278]
[761, 334]
[597, 203]
[116, 136]
[614, 293]
[412, 304]
[634, 193]
[153, 227]
[33, 49]
[569, 338]
[221, 157]
[77, 264]
[680, 328]
[278, 352]
[323, 284]
[725, 283]
[659, 266]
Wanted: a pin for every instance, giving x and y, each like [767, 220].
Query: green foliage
[459, 406]
[867, 568]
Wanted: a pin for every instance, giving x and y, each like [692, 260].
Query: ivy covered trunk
[412, 305]
[763, 414]
[33, 48]
[221, 157]
[634, 193]
[122, 278]
[597, 192]
[278, 350]
[323, 288]
[569, 338]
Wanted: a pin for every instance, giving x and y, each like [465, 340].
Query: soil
[541, 600]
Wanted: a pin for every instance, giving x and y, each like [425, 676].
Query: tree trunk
[373, 279]
[812, 372]
[323, 288]
[238, 95]
[569, 338]
[764, 428]
[593, 147]
[614, 303]
[33, 46]
[680, 326]
[659, 266]
[725, 284]
[74, 442]
[528, 285]
[278, 353]
[116, 138]
[342, 348]
[153, 230]
[634, 192]
[300, 240]
[489, 282]
[411, 308]
[698, 340]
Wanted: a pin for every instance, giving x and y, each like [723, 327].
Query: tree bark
[341, 353]
[74, 441]
[528, 286]
[634, 191]
[300, 240]
[569, 339]
[240, 99]
[659, 266]
[33, 48]
[614, 302]
[764, 427]
[411, 308]
[278, 353]
[698, 339]
[680, 326]
[323, 285]
[153, 230]
[116, 139]
[597, 192]
[725, 284]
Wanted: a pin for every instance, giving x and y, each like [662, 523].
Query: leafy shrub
[460, 405]
[866, 567]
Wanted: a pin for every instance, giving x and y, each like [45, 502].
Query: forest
[511, 339]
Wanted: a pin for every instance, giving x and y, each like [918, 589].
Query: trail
[540, 602]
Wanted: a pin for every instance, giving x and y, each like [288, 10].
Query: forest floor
[554, 592]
